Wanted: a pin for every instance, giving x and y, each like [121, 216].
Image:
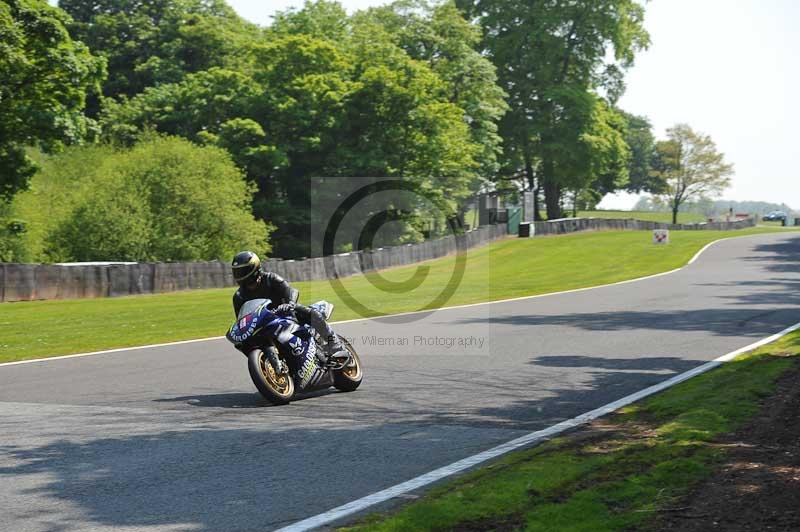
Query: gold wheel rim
[353, 371]
[279, 383]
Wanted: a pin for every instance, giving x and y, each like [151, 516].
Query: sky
[728, 69]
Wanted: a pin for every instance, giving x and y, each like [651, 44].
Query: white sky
[727, 68]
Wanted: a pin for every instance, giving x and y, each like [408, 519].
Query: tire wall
[572, 225]
[26, 282]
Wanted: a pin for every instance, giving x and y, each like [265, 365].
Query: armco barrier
[572, 225]
[19, 282]
[24, 282]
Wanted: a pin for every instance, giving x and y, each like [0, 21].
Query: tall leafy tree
[322, 19]
[438, 35]
[606, 153]
[45, 76]
[639, 137]
[148, 42]
[310, 107]
[550, 57]
[196, 108]
[690, 166]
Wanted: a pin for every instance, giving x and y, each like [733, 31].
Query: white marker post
[660, 236]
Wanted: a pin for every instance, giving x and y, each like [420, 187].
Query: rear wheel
[277, 388]
[349, 377]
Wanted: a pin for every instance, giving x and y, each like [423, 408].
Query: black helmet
[245, 265]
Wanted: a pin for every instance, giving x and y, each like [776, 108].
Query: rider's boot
[335, 353]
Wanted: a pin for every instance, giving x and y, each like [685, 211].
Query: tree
[439, 36]
[165, 199]
[639, 137]
[551, 56]
[195, 108]
[306, 106]
[602, 156]
[149, 42]
[690, 166]
[322, 18]
[45, 79]
[12, 232]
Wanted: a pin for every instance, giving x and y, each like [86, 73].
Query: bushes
[163, 200]
[12, 248]
[114, 225]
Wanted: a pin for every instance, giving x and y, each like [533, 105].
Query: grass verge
[614, 475]
[665, 217]
[504, 269]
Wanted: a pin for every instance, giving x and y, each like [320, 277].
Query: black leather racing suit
[278, 290]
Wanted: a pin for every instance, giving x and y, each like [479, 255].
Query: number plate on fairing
[243, 329]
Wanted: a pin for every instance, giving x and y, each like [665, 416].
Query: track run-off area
[175, 437]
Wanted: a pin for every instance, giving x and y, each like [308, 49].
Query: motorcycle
[282, 354]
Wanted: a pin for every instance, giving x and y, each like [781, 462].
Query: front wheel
[349, 377]
[278, 389]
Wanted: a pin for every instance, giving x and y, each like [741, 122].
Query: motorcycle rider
[255, 283]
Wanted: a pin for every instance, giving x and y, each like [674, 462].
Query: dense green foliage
[439, 36]
[150, 42]
[165, 199]
[44, 78]
[553, 61]
[12, 231]
[452, 96]
[327, 95]
[642, 143]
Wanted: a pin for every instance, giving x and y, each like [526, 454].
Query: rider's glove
[284, 309]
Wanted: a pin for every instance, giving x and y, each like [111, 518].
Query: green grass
[616, 477]
[504, 269]
[770, 223]
[666, 217]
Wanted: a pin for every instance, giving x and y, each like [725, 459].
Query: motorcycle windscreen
[249, 307]
[247, 321]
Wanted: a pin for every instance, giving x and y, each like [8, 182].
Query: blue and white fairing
[253, 317]
[256, 318]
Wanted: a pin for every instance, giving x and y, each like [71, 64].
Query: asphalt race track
[176, 438]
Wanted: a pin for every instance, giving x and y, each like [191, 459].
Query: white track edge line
[528, 439]
[496, 301]
[107, 351]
